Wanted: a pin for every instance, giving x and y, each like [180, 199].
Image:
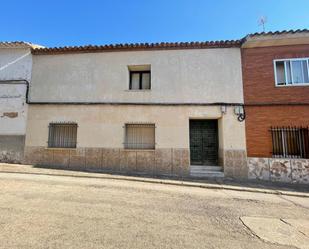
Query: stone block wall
[279, 170]
[235, 164]
[159, 162]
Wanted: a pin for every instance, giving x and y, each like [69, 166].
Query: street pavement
[53, 211]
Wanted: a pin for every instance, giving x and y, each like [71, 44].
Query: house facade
[235, 109]
[172, 109]
[15, 75]
[276, 94]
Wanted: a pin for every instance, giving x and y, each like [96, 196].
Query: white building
[15, 75]
[158, 109]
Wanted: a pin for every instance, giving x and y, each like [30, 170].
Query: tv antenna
[262, 22]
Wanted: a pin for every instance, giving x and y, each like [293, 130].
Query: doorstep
[204, 171]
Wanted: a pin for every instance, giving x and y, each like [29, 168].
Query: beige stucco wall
[102, 125]
[196, 75]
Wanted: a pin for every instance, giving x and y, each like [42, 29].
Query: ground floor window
[290, 142]
[62, 135]
[139, 136]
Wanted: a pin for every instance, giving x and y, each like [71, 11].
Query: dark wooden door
[204, 142]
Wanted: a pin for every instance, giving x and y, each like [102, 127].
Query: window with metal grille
[292, 142]
[139, 136]
[62, 135]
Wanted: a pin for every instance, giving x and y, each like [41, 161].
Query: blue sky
[64, 23]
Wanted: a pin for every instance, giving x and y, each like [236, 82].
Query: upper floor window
[62, 135]
[292, 72]
[140, 77]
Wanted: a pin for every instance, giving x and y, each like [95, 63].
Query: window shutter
[140, 136]
[62, 135]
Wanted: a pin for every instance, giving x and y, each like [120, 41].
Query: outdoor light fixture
[223, 109]
[240, 113]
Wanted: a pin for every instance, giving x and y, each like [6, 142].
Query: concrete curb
[26, 169]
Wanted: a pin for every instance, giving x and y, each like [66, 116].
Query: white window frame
[285, 72]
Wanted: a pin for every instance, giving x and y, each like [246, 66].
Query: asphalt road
[38, 211]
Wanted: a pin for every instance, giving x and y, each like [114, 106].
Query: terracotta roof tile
[158, 46]
[297, 31]
[18, 44]
[138, 46]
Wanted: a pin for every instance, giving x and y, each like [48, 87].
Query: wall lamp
[240, 113]
[223, 109]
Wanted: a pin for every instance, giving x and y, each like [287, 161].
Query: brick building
[276, 96]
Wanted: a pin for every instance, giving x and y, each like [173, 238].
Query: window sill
[292, 85]
[288, 158]
[59, 148]
[141, 90]
[137, 150]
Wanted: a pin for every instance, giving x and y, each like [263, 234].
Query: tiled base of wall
[279, 170]
[159, 162]
[169, 162]
[235, 164]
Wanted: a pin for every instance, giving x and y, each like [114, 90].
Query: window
[62, 135]
[290, 142]
[139, 136]
[140, 77]
[140, 80]
[292, 72]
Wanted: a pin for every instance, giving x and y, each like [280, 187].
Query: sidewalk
[260, 187]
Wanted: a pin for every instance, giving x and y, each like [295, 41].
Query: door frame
[218, 136]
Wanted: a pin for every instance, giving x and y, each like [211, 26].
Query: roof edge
[40, 50]
[276, 38]
[19, 44]
[138, 47]
[291, 31]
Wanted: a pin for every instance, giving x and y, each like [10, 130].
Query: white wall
[196, 75]
[102, 125]
[12, 100]
[15, 64]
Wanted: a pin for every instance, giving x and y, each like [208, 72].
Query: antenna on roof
[262, 21]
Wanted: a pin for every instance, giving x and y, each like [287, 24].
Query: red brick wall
[259, 88]
[260, 118]
[259, 78]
